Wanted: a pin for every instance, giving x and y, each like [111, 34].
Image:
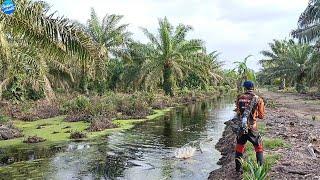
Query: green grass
[58, 124]
[272, 159]
[269, 144]
[4, 119]
[262, 127]
[274, 143]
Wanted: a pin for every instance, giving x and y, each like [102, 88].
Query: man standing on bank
[250, 107]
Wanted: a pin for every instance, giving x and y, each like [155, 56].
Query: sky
[235, 28]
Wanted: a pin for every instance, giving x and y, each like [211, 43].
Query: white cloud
[235, 28]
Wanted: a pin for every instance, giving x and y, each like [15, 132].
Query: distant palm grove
[296, 62]
[42, 54]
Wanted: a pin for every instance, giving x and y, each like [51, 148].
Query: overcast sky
[235, 28]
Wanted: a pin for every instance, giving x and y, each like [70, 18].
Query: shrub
[34, 139]
[301, 88]
[80, 103]
[162, 102]
[100, 123]
[148, 97]
[31, 111]
[102, 107]
[253, 171]
[45, 110]
[79, 116]
[77, 135]
[3, 119]
[133, 107]
[8, 131]
[184, 92]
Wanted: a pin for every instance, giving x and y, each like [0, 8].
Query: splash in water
[185, 152]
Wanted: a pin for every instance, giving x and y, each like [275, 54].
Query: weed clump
[133, 107]
[274, 143]
[254, 171]
[77, 135]
[32, 111]
[8, 131]
[100, 124]
[34, 139]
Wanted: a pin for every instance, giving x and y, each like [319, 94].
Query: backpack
[247, 102]
[244, 101]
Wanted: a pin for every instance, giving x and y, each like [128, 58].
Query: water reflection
[145, 152]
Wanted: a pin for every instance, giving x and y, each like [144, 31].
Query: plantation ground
[292, 123]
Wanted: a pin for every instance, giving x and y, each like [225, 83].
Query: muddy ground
[292, 117]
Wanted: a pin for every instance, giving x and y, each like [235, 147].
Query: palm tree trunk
[168, 80]
[300, 85]
[50, 95]
[283, 84]
[239, 86]
[84, 79]
[2, 84]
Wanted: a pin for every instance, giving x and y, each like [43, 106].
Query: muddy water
[145, 152]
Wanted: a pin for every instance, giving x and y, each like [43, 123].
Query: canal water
[146, 152]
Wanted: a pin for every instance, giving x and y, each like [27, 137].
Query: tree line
[295, 62]
[42, 54]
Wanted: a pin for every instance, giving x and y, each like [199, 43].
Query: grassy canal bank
[84, 117]
[56, 130]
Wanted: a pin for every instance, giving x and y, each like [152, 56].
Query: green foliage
[274, 143]
[3, 119]
[169, 59]
[301, 88]
[110, 36]
[262, 127]
[272, 159]
[35, 45]
[80, 103]
[133, 106]
[77, 135]
[309, 23]
[253, 171]
[290, 63]
[42, 54]
[244, 73]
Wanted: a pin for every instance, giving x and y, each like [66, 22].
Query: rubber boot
[238, 158]
[259, 156]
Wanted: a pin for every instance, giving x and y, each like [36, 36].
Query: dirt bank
[294, 118]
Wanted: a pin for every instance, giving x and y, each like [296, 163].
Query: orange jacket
[257, 112]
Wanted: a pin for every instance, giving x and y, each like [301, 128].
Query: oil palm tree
[132, 59]
[31, 28]
[308, 32]
[169, 55]
[296, 63]
[244, 72]
[211, 71]
[214, 67]
[278, 49]
[111, 37]
[230, 78]
[308, 24]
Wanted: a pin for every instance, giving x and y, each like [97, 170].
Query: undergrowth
[252, 171]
